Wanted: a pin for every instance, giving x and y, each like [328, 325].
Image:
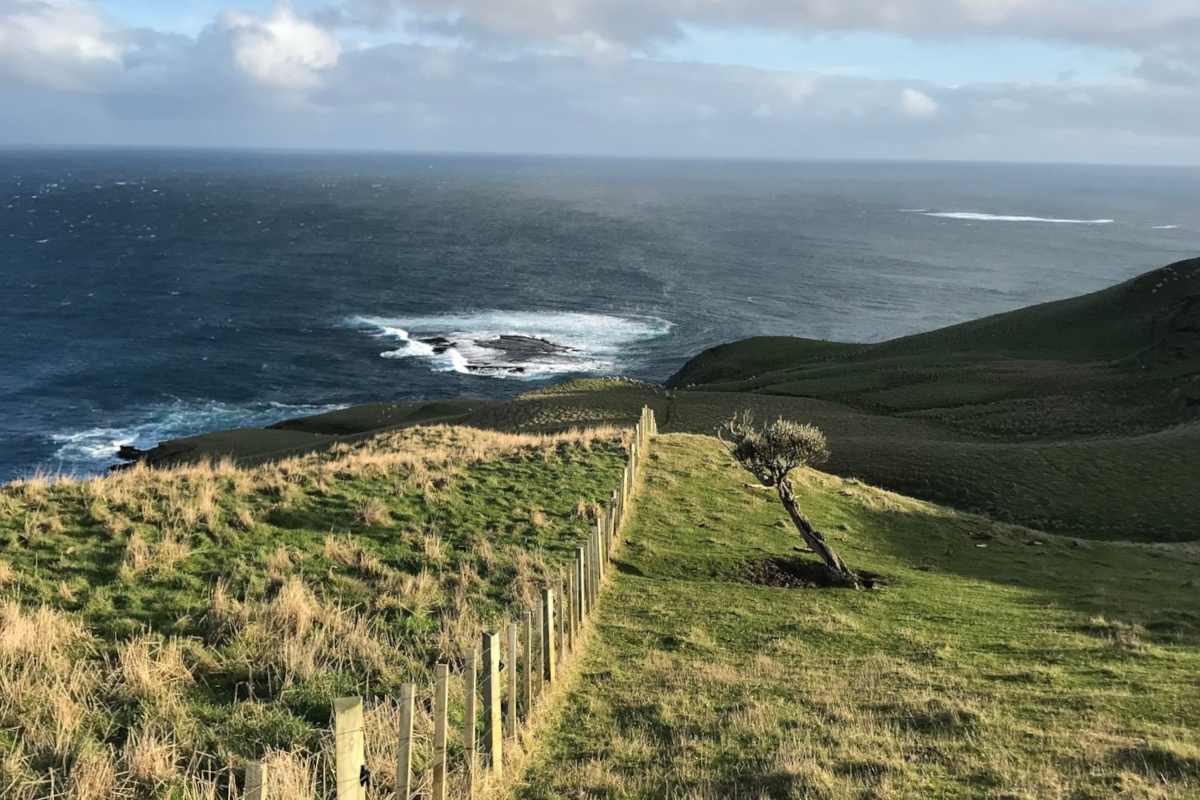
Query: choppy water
[155, 294]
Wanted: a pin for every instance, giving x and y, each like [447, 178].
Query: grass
[998, 662]
[1077, 415]
[158, 626]
[1122, 487]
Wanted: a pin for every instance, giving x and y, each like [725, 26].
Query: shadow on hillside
[1147, 594]
[804, 573]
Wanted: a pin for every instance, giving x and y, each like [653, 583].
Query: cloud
[1172, 65]
[641, 23]
[917, 104]
[57, 44]
[578, 84]
[282, 51]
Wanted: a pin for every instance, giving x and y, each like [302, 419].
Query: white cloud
[283, 51]
[917, 104]
[58, 44]
[574, 76]
[1122, 23]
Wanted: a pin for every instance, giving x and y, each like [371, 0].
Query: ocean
[154, 294]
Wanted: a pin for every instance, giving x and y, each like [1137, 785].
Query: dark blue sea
[153, 294]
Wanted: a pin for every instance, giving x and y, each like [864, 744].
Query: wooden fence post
[591, 572]
[598, 546]
[602, 544]
[618, 500]
[408, 695]
[580, 587]
[349, 748]
[493, 731]
[610, 519]
[548, 663]
[528, 619]
[571, 610]
[470, 712]
[441, 696]
[560, 620]
[512, 679]
[256, 781]
[539, 657]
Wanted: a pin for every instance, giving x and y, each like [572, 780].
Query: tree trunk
[812, 537]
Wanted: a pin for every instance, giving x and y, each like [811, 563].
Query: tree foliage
[772, 452]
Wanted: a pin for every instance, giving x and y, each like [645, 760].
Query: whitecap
[515, 344]
[976, 216]
[1165, 227]
[91, 450]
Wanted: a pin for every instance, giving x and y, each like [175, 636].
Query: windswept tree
[770, 454]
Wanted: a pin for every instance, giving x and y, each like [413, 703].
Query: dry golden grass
[150, 757]
[372, 512]
[433, 549]
[93, 777]
[122, 718]
[151, 670]
[279, 564]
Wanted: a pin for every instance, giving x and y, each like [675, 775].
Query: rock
[130, 453]
[523, 348]
[440, 344]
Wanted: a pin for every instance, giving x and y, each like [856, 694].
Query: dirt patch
[802, 573]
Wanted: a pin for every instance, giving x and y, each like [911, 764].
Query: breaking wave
[514, 344]
[93, 449]
[976, 216]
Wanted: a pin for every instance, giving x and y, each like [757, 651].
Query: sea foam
[976, 216]
[90, 450]
[459, 342]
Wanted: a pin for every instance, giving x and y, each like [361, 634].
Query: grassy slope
[991, 667]
[169, 596]
[1078, 415]
[1114, 324]
[1136, 487]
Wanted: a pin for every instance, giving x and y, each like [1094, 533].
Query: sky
[1108, 81]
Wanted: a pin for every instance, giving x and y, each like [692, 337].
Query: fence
[548, 637]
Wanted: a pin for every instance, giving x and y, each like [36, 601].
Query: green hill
[997, 662]
[1151, 320]
[1078, 416]
[1122, 360]
[158, 626]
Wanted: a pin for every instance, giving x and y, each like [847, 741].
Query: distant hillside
[1080, 416]
[1125, 358]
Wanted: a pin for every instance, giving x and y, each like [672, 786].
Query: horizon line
[25, 147]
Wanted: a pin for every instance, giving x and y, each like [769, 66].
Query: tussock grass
[158, 627]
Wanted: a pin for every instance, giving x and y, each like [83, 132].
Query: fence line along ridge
[546, 639]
